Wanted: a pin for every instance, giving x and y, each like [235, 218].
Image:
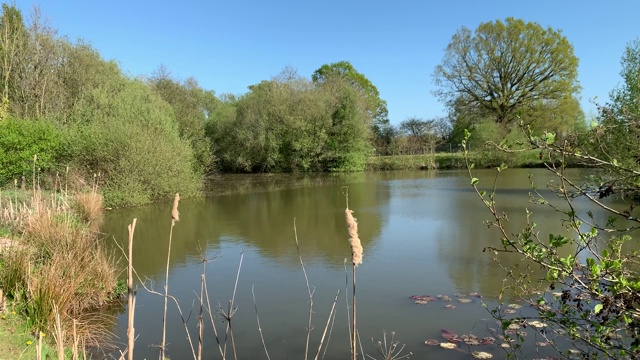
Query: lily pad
[449, 306]
[481, 355]
[487, 340]
[510, 311]
[464, 300]
[448, 345]
[432, 342]
[537, 324]
[515, 306]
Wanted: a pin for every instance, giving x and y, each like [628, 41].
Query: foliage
[20, 140]
[127, 135]
[348, 143]
[591, 270]
[12, 42]
[375, 106]
[616, 136]
[291, 124]
[503, 68]
[191, 106]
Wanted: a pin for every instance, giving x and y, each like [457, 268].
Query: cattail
[354, 240]
[175, 214]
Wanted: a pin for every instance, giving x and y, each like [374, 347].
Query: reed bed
[55, 267]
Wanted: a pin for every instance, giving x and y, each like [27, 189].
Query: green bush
[20, 140]
[128, 135]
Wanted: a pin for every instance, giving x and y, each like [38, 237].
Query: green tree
[191, 108]
[617, 136]
[375, 106]
[503, 68]
[348, 145]
[12, 43]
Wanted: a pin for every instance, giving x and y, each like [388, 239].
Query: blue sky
[229, 45]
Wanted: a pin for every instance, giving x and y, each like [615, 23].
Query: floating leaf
[514, 306]
[487, 340]
[510, 311]
[448, 345]
[537, 324]
[432, 342]
[464, 300]
[481, 355]
[449, 306]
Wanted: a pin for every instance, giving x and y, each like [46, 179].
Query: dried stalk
[255, 305]
[131, 296]
[326, 327]
[175, 216]
[200, 317]
[309, 290]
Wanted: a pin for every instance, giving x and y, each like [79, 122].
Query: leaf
[597, 308]
[474, 181]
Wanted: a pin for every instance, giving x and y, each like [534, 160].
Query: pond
[422, 234]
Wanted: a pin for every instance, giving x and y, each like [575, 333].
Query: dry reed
[131, 296]
[354, 240]
[89, 206]
[356, 259]
[175, 216]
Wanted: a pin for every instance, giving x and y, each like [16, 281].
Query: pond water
[422, 233]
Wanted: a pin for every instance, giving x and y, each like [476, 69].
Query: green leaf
[597, 308]
[474, 181]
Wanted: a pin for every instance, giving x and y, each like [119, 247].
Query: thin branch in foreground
[255, 305]
[309, 290]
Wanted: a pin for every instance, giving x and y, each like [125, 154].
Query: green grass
[16, 340]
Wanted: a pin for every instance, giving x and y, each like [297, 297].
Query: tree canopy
[506, 67]
[376, 106]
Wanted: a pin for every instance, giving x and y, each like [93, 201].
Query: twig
[255, 305]
[324, 333]
[309, 290]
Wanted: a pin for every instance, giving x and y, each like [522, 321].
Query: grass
[16, 338]
[58, 272]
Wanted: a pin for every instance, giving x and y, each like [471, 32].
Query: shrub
[128, 135]
[20, 140]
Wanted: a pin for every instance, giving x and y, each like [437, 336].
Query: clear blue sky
[229, 45]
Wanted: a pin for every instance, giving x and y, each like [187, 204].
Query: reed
[356, 259]
[57, 270]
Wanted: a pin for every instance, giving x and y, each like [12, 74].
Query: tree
[505, 68]
[617, 135]
[191, 105]
[376, 107]
[12, 42]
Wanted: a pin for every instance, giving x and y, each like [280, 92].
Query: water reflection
[261, 219]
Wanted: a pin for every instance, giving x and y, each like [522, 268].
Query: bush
[128, 136]
[20, 140]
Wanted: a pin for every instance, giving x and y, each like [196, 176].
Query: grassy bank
[483, 159]
[54, 270]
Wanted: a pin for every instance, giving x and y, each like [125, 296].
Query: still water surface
[422, 233]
